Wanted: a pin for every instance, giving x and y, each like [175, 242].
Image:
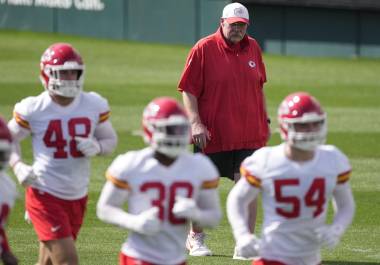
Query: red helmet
[5, 144]
[166, 127]
[302, 108]
[58, 57]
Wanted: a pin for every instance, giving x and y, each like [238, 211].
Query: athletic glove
[186, 208]
[329, 235]
[147, 222]
[247, 246]
[24, 173]
[88, 146]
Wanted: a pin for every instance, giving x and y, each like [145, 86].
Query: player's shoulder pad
[339, 160]
[96, 100]
[205, 166]
[27, 106]
[256, 163]
[124, 165]
[333, 151]
[258, 156]
[201, 160]
[328, 148]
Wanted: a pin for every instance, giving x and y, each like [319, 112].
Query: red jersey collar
[242, 45]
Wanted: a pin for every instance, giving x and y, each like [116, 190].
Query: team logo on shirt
[251, 64]
[55, 228]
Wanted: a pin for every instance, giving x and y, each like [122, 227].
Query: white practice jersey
[294, 196]
[8, 195]
[149, 184]
[62, 170]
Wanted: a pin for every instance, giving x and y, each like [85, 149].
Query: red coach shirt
[228, 84]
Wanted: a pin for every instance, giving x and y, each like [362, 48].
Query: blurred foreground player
[297, 179]
[8, 193]
[165, 186]
[68, 126]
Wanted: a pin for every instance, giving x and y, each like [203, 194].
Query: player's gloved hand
[147, 222]
[88, 146]
[24, 173]
[186, 208]
[329, 235]
[247, 246]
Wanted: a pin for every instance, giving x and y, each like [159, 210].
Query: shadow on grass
[326, 262]
[221, 255]
[323, 263]
[348, 263]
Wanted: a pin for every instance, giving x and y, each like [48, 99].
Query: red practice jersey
[228, 84]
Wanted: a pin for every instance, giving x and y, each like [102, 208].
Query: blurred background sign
[346, 28]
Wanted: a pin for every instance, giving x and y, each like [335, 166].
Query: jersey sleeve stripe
[23, 123]
[210, 184]
[344, 177]
[118, 183]
[243, 171]
[104, 116]
[254, 181]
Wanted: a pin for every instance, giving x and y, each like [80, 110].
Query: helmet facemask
[304, 140]
[170, 136]
[62, 87]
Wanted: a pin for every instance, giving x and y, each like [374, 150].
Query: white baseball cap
[235, 12]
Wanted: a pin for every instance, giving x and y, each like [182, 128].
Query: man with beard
[222, 89]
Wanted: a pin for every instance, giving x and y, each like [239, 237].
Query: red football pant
[54, 218]
[267, 262]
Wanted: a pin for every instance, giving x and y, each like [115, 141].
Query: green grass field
[131, 74]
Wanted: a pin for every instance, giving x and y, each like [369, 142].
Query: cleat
[196, 246]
